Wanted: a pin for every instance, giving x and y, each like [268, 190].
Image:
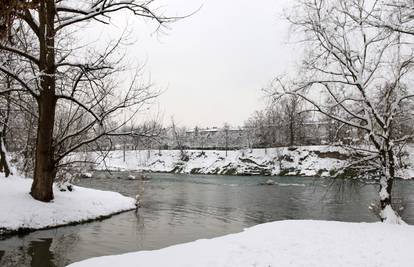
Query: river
[182, 208]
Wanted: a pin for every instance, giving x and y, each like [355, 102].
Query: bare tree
[12, 101]
[59, 82]
[178, 137]
[258, 129]
[147, 132]
[279, 124]
[293, 117]
[226, 129]
[276, 125]
[365, 70]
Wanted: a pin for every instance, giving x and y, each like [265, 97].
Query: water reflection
[177, 209]
[40, 253]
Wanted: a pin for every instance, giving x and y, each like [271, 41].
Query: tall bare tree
[81, 90]
[365, 70]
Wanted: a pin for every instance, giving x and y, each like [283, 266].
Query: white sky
[214, 64]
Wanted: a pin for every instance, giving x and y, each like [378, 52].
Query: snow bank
[304, 161]
[321, 161]
[19, 211]
[284, 243]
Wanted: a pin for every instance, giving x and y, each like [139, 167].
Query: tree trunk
[387, 213]
[227, 141]
[4, 164]
[291, 133]
[45, 167]
[385, 195]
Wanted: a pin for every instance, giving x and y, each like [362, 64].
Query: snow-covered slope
[19, 211]
[304, 161]
[283, 244]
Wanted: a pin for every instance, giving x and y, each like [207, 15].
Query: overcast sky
[214, 64]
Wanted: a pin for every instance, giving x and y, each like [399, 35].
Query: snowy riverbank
[284, 243]
[20, 212]
[302, 161]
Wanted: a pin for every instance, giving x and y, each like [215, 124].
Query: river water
[182, 208]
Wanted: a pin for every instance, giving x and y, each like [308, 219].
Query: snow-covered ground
[282, 244]
[19, 211]
[303, 161]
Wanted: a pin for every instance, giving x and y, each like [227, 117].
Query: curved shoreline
[82, 205]
[6, 233]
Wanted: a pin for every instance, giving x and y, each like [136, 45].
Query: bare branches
[350, 55]
[102, 105]
[100, 9]
[8, 12]
[358, 65]
[20, 53]
[23, 84]
[397, 18]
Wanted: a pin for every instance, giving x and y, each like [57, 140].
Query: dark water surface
[182, 208]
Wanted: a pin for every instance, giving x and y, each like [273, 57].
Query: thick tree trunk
[45, 167]
[385, 195]
[387, 213]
